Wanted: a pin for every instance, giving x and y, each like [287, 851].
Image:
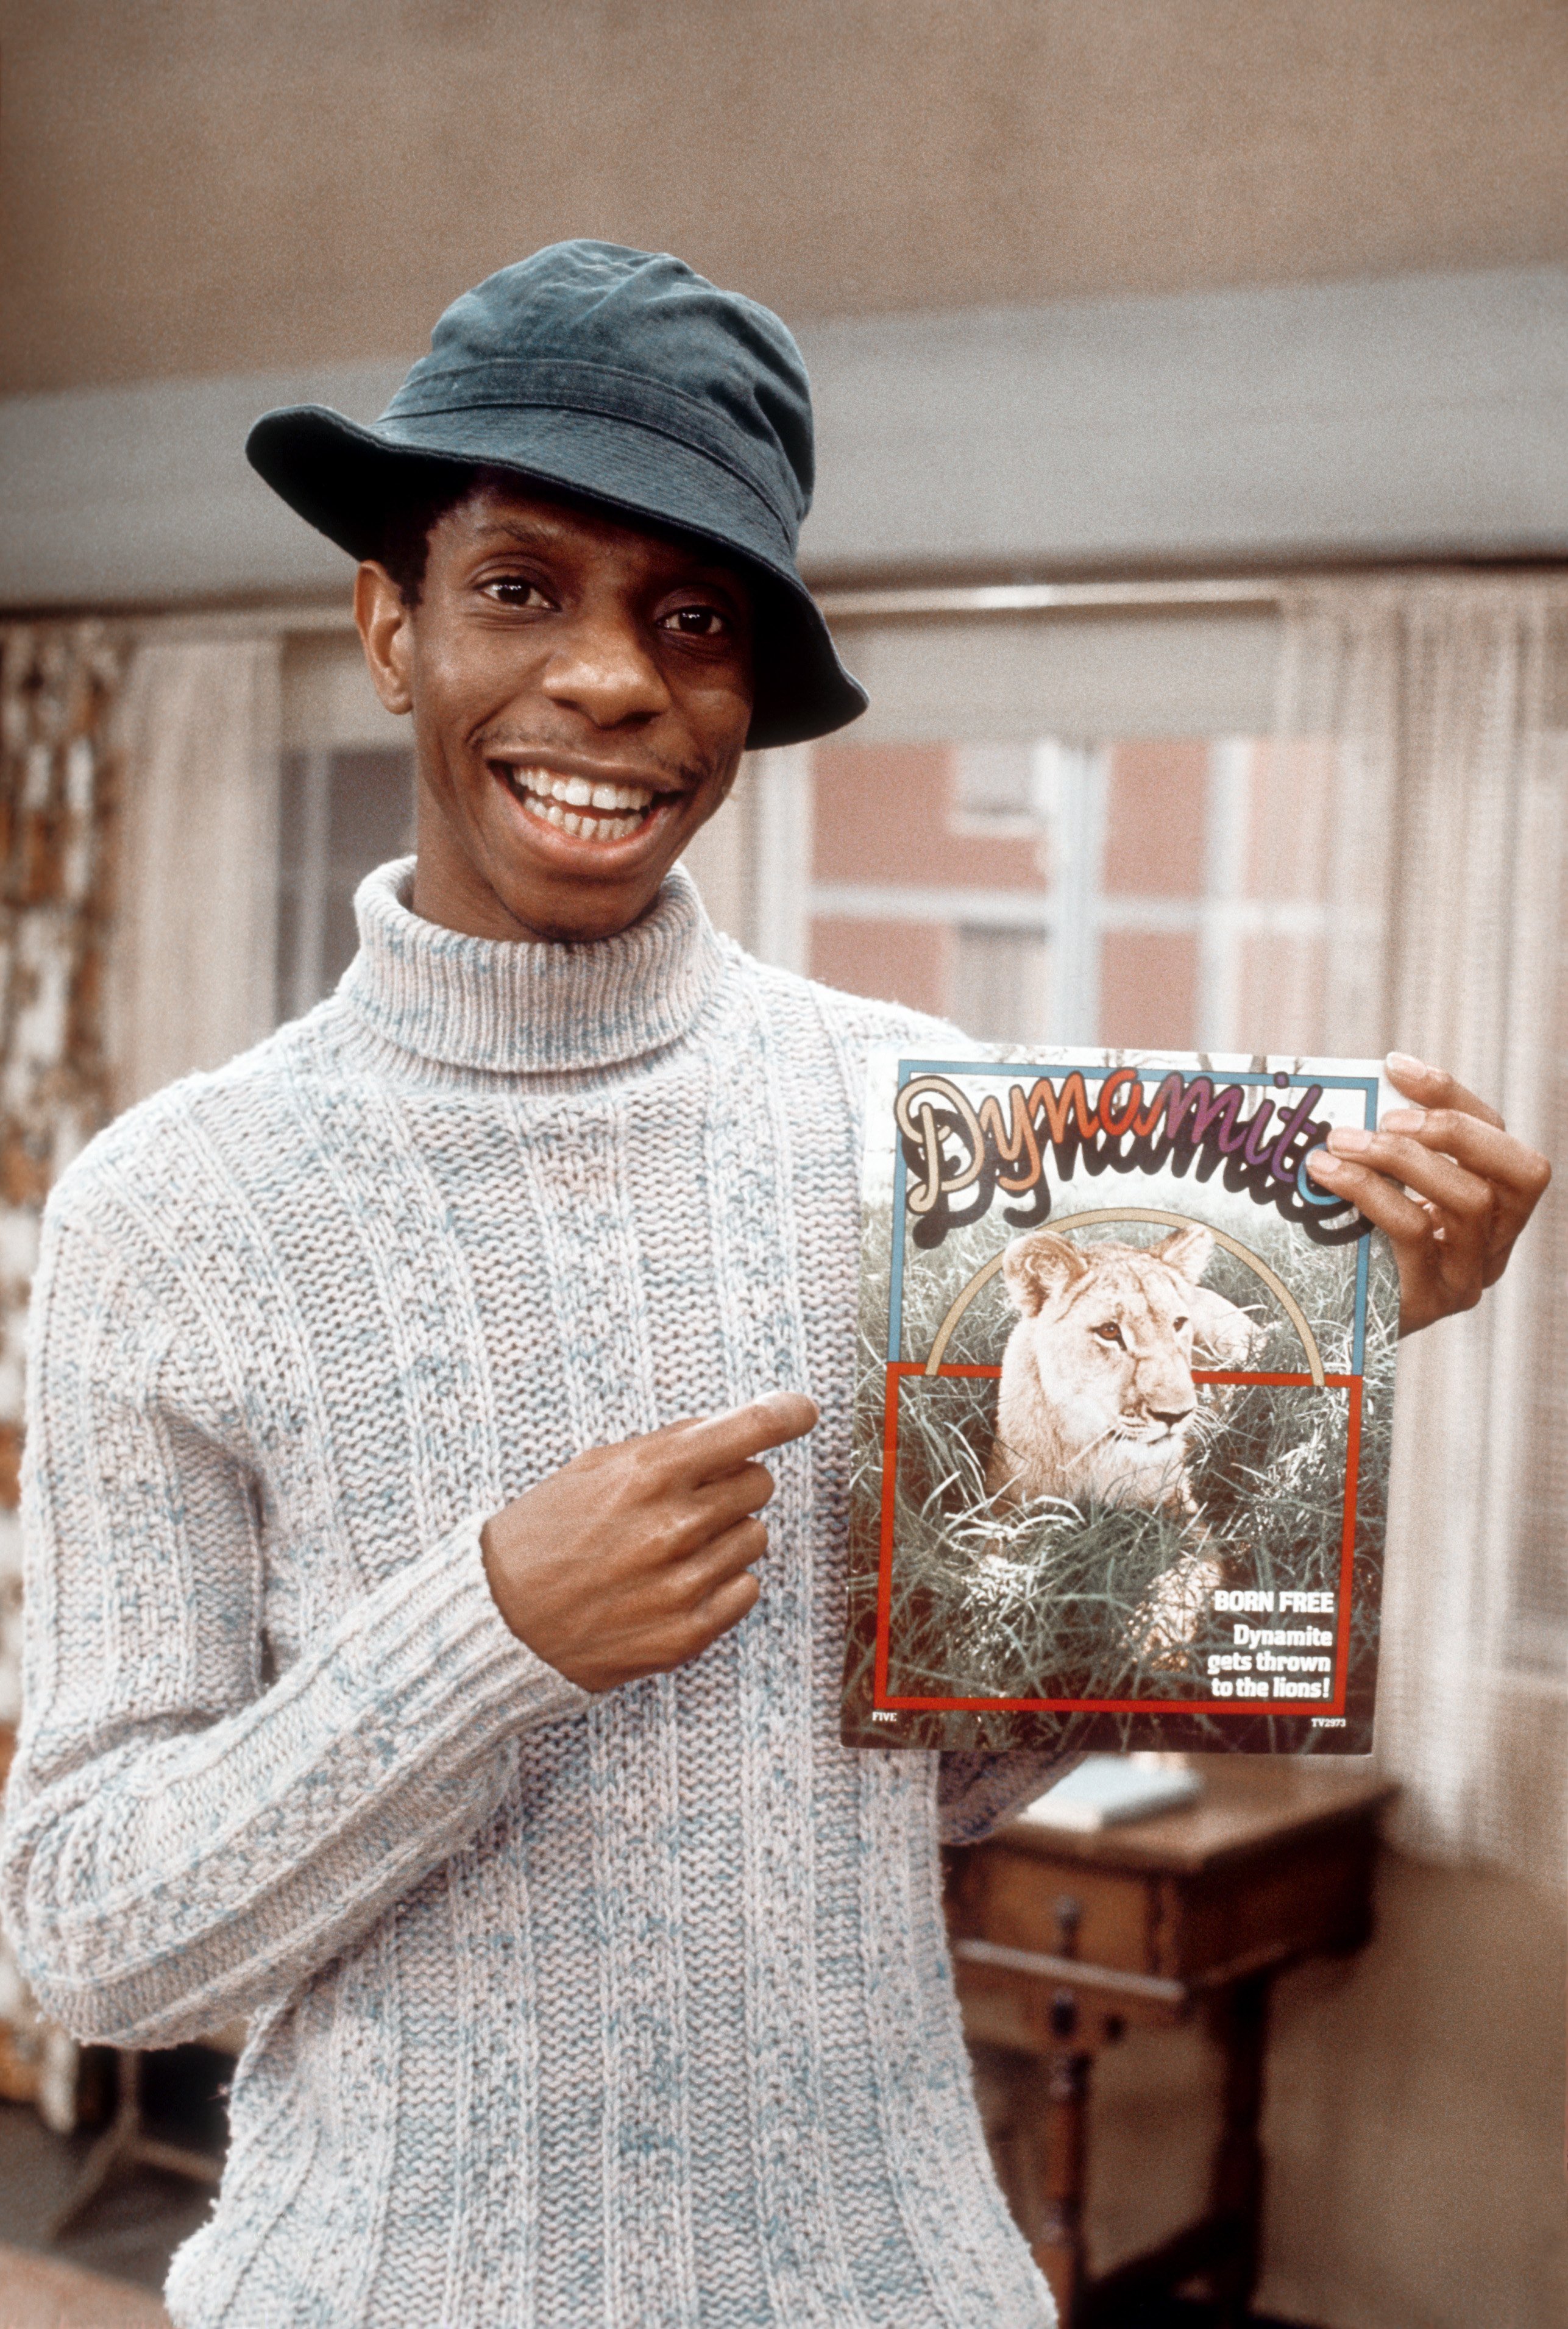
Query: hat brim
[345, 478]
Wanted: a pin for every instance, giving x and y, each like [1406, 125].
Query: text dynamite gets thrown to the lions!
[1123, 1406]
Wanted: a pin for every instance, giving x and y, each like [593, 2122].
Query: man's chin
[574, 904]
[575, 922]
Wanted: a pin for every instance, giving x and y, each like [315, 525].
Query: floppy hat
[625, 376]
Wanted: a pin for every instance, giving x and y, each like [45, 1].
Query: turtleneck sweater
[629, 2010]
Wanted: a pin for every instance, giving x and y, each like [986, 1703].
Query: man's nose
[603, 667]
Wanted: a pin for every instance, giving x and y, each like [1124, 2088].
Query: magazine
[1123, 1401]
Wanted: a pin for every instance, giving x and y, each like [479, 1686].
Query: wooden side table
[1062, 1942]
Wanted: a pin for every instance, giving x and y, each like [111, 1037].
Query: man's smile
[592, 808]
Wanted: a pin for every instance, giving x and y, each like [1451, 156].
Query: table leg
[1239, 2018]
[1060, 2250]
[127, 2144]
[114, 2148]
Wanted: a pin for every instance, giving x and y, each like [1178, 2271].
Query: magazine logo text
[956, 1149]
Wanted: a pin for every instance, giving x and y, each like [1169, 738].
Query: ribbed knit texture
[628, 2011]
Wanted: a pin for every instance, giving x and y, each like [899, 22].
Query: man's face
[581, 691]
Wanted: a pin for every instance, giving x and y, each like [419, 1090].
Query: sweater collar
[520, 1008]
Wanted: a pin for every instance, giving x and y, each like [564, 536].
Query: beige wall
[207, 186]
[1414, 2124]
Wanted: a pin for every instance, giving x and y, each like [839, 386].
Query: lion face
[1096, 1393]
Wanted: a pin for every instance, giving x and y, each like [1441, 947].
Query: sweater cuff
[432, 1642]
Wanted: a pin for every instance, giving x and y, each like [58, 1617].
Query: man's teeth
[598, 828]
[556, 800]
[580, 792]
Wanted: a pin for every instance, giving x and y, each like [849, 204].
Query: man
[410, 1669]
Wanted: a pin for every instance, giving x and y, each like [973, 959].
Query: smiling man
[408, 1666]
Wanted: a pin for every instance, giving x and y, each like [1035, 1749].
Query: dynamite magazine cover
[1123, 1405]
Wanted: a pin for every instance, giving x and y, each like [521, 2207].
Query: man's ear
[1188, 1251]
[1037, 1266]
[385, 624]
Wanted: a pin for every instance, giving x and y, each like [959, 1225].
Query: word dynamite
[956, 1148]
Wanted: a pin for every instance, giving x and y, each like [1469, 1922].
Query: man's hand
[634, 1559]
[1449, 1182]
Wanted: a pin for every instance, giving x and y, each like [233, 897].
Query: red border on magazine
[882, 1703]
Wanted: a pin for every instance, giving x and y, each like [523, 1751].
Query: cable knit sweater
[624, 2010]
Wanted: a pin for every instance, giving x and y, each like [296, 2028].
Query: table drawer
[1025, 1902]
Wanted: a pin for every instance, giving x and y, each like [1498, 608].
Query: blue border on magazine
[906, 1068]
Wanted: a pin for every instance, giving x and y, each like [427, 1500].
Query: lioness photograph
[1098, 1398]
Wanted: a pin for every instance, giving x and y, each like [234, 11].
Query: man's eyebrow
[530, 531]
[537, 533]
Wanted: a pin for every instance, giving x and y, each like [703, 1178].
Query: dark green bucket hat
[626, 377]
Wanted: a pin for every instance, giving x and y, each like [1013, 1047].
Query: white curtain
[1421, 722]
[194, 979]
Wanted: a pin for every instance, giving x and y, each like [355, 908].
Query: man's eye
[695, 622]
[516, 591]
[1177, 1324]
[1110, 1333]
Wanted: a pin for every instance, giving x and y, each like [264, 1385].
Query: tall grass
[1042, 1601]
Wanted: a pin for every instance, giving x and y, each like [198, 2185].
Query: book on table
[1124, 1390]
[1108, 1790]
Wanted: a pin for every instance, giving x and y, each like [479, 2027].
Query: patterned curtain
[1426, 722]
[59, 788]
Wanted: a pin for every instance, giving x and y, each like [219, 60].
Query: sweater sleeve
[184, 1840]
[977, 1790]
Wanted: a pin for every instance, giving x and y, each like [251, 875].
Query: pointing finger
[722, 1443]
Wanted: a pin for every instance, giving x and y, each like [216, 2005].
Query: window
[345, 804]
[340, 813]
[1146, 891]
[1056, 830]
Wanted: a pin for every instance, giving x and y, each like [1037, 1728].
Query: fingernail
[1347, 1140]
[1405, 1063]
[1404, 1119]
[785, 1402]
[1320, 1162]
